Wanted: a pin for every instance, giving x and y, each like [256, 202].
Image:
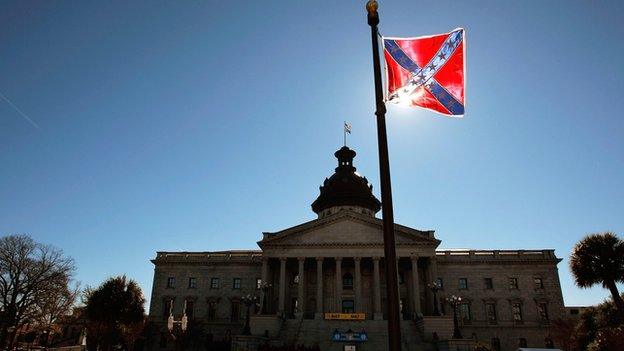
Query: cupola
[346, 189]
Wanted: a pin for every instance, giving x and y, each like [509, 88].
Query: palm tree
[599, 259]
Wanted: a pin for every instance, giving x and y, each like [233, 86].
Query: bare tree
[52, 308]
[32, 276]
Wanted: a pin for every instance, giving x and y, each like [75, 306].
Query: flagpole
[392, 291]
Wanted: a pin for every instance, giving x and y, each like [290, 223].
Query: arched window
[496, 344]
[235, 310]
[347, 281]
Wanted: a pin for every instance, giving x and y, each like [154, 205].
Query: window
[440, 283]
[401, 277]
[538, 283]
[214, 283]
[212, 310]
[190, 304]
[463, 283]
[236, 284]
[489, 284]
[496, 344]
[490, 311]
[167, 307]
[258, 283]
[192, 283]
[516, 312]
[464, 311]
[522, 342]
[235, 311]
[348, 306]
[542, 311]
[171, 282]
[513, 283]
[347, 281]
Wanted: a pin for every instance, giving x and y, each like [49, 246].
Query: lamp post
[264, 288]
[435, 287]
[249, 301]
[455, 301]
[183, 322]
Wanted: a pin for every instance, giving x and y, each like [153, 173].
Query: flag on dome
[427, 72]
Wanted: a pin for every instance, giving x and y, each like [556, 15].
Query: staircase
[310, 332]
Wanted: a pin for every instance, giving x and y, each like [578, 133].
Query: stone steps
[319, 332]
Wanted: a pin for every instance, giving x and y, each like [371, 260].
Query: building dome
[346, 188]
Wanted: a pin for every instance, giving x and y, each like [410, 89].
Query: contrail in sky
[19, 111]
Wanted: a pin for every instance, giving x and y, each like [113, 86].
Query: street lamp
[455, 301]
[264, 288]
[183, 322]
[435, 287]
[249, 301]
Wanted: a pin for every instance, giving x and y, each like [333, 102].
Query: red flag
[427, 72]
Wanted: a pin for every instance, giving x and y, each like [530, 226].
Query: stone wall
[501, 266]
[203, 268]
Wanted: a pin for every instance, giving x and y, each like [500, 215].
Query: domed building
[321, 284]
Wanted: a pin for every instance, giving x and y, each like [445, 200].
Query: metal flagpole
[394, 326]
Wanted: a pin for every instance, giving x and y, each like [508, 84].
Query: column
[415, 288]
[319, 288]
[282, 287]
[432, 276]
[377, 314]
[338, 306]
[301, 286]
[358, 285]
[263, 292]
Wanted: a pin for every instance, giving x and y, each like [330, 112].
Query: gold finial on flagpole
[372, 6]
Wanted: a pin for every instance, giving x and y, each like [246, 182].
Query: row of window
[522, 342]
[516, 311]
[215, 283]
[189, 309]
[488, 283]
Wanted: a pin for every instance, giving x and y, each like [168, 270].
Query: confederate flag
[427, 72]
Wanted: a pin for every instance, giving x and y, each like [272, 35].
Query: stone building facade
[335, 263]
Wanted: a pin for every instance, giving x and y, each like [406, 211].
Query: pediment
[345, 228]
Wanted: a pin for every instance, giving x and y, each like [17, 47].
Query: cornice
[345, 244]
[342, 215]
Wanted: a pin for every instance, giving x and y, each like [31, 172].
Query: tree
[31, 273]
[115, 311]
[52, 308]
[563, 333]
[599, 259]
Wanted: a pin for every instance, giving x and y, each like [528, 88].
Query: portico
[308, 287]
[335, 262]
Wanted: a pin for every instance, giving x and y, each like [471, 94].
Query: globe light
[372, 6]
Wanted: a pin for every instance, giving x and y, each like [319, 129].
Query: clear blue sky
[196, 126]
